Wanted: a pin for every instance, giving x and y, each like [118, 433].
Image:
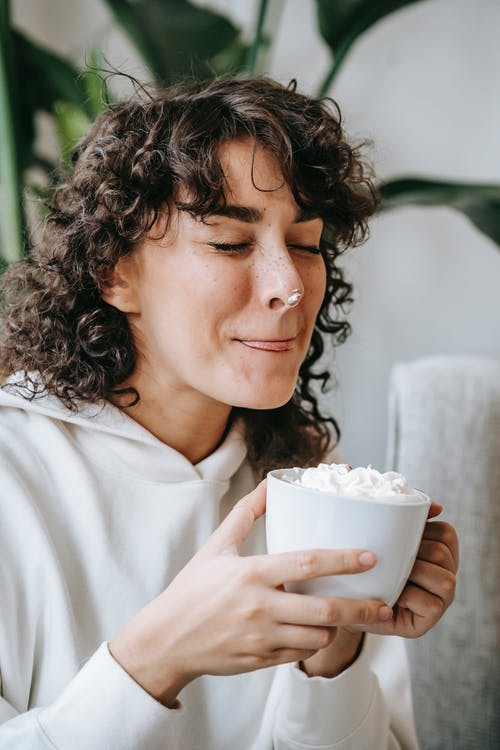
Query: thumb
[238, 524]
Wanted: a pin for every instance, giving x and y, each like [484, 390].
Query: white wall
[423, 85]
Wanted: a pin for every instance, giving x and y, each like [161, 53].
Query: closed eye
[308, 248]
[230, 247]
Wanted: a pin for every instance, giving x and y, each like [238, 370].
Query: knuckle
[439, 555]
[253, 611]
[329, 612]
[365, 613]
[449, 581]
[348, 560]
[307, 562]
[247, 574]
[437, 607]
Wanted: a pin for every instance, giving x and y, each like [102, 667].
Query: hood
[95, 426]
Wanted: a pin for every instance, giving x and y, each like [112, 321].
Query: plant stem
[11, 210]
[257, 40]
[332, 73]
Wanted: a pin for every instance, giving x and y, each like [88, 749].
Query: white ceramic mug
[300, 518]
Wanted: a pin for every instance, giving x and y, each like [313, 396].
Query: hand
[225, 614]
[431, 586]
[340, 654]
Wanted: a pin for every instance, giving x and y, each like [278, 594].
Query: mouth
[273, 345]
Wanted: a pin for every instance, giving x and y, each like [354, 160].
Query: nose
[280, 282]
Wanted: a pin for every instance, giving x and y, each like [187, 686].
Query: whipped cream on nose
[342, 479]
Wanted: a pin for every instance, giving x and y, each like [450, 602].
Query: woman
[160, 352]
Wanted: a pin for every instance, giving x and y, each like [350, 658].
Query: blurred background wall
[423, 85]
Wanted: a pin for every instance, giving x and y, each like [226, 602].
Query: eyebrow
[255, 215]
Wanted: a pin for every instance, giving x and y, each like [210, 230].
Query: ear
[119, 289]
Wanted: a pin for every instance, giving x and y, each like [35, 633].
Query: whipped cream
[342, 479]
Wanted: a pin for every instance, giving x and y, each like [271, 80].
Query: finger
[303, 564]
[287, 655]
[415, 613]
[238, 524]
[434, 579]
[434, 509]
[251, 662]
[320, 611]
[440, 531]
[422, 603]
[437, 553]
[303, 637]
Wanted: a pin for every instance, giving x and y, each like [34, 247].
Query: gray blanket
[444, 436]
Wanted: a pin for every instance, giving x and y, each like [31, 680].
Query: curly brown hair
[125, 172]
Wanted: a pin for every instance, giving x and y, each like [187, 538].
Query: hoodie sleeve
[351, 711]
[101, 708]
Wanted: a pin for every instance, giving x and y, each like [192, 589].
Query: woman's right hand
[225, 614]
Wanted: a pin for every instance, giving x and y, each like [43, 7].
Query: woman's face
[207, 302]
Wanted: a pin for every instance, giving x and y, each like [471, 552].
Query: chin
[264, 401]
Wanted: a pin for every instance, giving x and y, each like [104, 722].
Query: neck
[188, 422]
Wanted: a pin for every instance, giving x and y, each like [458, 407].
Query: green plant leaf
[45, 78]
[72, 124]
[267, 22]
[72, 120]
[11, 204]
[41, 194]
[98, 95]
[479, 202]
[341, 23]
[258, 40]
[231, 60]
[45, 81]
[175, 38]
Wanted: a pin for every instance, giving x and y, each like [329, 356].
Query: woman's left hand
[431, 586]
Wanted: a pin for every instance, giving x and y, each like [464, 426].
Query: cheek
[316, 288]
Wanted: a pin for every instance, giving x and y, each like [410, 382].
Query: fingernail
[367, 558]
[384, 613]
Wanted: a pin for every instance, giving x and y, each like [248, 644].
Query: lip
[269, 345]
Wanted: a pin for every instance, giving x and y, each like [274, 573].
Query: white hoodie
[96, 518]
